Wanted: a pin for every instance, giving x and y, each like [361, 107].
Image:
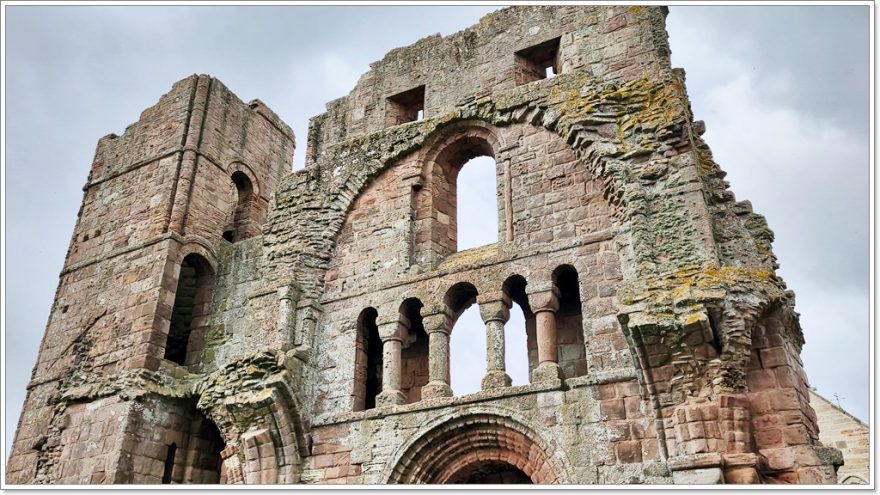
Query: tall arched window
[241, 225]
[368, 361]
[467, 340]
[569, 323]
[457, 206]
[191, 305]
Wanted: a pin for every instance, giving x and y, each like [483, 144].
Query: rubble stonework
[221, 319]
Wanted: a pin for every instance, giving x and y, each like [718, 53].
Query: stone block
[705, 476]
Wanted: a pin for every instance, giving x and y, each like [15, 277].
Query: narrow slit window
[408, 106]
[169, 464]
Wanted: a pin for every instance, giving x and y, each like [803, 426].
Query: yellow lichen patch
[470, 256]
[635, 9]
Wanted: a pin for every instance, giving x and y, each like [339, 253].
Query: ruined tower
[220, 318]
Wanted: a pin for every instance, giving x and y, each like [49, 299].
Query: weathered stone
[220, 318]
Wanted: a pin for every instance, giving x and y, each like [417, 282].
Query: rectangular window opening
[408, 106]
[538, 62]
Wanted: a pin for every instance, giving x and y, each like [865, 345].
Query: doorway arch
[480, 447]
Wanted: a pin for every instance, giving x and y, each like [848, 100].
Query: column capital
[437, 322]
[498, 310]
[546, 299]
[392, 330]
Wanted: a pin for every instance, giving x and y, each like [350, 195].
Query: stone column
[495, 314]
[436, 325]
[544, 304]
[391, 335]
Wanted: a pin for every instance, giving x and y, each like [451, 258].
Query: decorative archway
[467, 448]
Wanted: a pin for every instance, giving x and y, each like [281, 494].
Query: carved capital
[438, 322]
[498, 310]
[545, 300]
[392, 330]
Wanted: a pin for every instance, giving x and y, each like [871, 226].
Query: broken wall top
[617, 43]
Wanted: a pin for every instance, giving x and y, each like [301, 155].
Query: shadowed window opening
[538, 62]
[242, 225]
[569, 323]
[169, 464]
[408, 106]
[191, 305]
[414, 353]
[204, 460]
[368, 361]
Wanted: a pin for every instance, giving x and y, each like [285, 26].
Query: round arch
[445, 450]
[241, 168]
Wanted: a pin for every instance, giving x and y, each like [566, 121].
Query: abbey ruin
[223, 319]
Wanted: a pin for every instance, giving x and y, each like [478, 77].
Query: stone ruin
[222, 319]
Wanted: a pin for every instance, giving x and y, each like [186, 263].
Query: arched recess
[259, 422]
[368, 361]
[179, 444]
[853, 480]
[242, 223]
[192, 300]
[414, 353]
[434, 216]
[454, 447]
[571, 351]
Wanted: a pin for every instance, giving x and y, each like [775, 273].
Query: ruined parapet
[662, 346]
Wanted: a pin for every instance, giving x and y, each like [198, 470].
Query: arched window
[191, 305]
[368, 361]
[467, 340]
[520, 345]
[241, 225]
[569, 323]
[457, 207]
[414, 353]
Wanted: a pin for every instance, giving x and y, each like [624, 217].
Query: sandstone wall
[680, 363]
[839, 429]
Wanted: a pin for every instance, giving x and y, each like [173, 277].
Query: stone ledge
[438, 403]
[694, 461]
[482, 257]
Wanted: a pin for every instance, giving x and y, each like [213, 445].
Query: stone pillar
[436, 325]
[392, 340]
[495, 314]
[544, 304]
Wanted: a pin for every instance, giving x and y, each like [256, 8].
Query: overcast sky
[783, 91]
